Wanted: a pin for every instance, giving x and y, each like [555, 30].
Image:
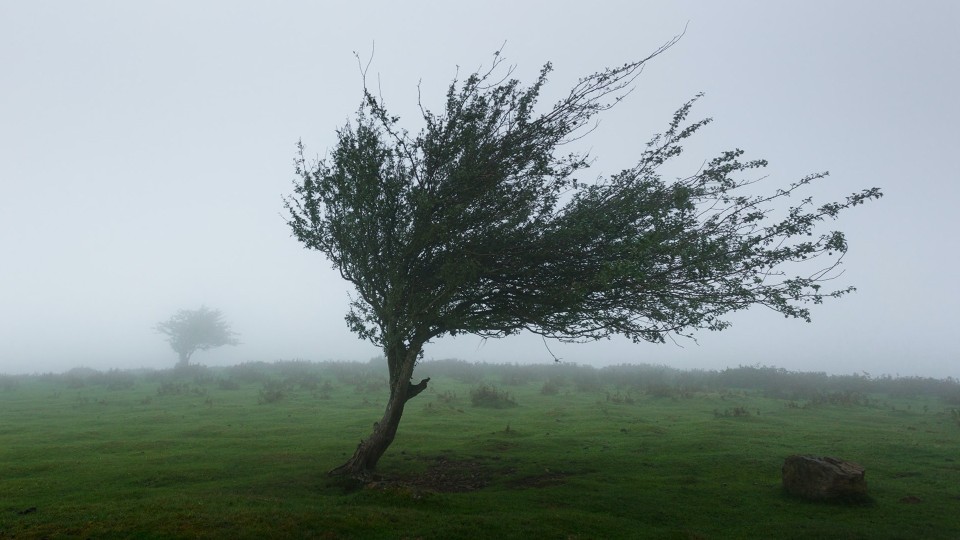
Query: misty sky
[145, 148]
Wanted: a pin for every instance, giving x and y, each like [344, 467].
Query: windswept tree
[189, 331]
[479, 224]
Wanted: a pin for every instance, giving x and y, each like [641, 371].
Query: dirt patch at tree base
[546, 479]
[444, 475]
[452, 476]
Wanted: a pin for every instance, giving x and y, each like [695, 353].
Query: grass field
[242, 452]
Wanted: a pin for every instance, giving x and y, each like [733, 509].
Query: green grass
[218, 460]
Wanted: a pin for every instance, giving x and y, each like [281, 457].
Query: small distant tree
[479, 224]
[189, 331]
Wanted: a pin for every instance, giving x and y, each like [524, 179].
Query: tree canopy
[479, 223]
[201, 329]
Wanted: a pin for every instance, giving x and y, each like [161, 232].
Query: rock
[823, 478]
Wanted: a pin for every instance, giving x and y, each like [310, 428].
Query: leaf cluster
[201, 329]
[478, 223]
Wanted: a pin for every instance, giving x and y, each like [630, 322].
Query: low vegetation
[578, 452]
[487, 395]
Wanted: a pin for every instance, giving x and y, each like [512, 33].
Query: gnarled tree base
[362, 464]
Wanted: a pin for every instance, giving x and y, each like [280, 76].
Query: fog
[146, 147]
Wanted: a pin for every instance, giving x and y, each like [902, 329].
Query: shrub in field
[516, 375]
[447, 397]
[250, 372]
[202, 375]
[77, 377]
[459, 370]
[551, 387]
[663, 391]
[82, 372]
[370, 383]
[911, 387]
[487, 395]
[8, 383]
[587, 381]
[354, 373]
[271, 392]
[228, 384]
[445, 401]
[324, 391]
[114, 379]
[619, 398]
[736, 412]
[305, 381]
[174, 388]
[698, 380]
[846, 397]
[295, 368]
[626, 375]
[170, 388]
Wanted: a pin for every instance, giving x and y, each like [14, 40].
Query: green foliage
[9, 383]
[189, 331]
[444, 402]
[250, 372]
[370, 384]
[462, 371]
[551, 387]
[663, 391]
[736, 412]
[180, 388]
[847, 397]
[325, 391]
[114, 379]
[228, 384]
[461, 228]
[487, 395]
[271, 392]
[517, 377]
[447, 397]
[618, 397]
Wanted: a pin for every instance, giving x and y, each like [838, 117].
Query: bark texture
[364, 460]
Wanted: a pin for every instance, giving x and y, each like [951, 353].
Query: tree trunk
[184, 360]
[369, 451]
